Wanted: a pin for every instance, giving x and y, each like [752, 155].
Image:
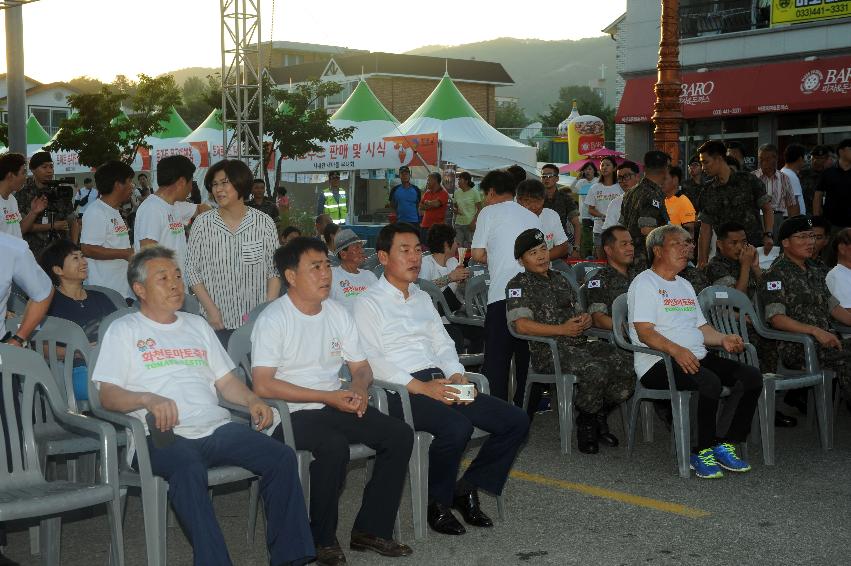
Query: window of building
[50, 118]
[713, 17]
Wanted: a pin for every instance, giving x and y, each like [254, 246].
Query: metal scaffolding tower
[242, 84]
[15, 82]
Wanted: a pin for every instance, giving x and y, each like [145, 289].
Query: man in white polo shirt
[498, 225]
[298, 344]
[105, 239]
[162, 217]
[349, 280]
[168, 367]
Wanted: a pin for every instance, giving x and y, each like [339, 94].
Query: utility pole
[16, 96]
[668, 115]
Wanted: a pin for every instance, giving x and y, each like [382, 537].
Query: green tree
[200, 96]
[86, 84]
[302, 124]
[92, 133]
[587, 102]
[511, 116]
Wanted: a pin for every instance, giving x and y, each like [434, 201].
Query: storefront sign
[796, 11]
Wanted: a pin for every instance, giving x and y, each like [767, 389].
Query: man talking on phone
[167, 368]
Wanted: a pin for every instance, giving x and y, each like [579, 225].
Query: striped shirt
[234, 267]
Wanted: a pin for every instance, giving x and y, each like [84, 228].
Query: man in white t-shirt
[794, 158]
[20, 268]
[170, 365]
[664, 315]
[498, 225]
[839, 278]
[105, 239]
[298, 344]
[85, 197]
[13, 175]
[531, 195]
[162, 217]
[349, 281]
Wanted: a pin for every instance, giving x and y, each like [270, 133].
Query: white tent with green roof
[210, 132]
[169, 141]
[364, 111]
[465, 138]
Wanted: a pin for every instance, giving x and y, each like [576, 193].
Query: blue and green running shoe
[704, 465]
[725, 455]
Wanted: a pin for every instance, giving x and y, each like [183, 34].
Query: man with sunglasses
[562, 202]
[628, 177]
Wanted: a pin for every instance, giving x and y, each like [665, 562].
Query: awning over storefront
[791, 86]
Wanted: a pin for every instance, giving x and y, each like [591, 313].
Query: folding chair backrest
[110, 318]
[191, 304]
[727, 310]
[114, 296]
[378, 270]
[255, 312]
[370, 262]
[54, 332]
[239, 350]
[437, 298]
[584, 270]
[476, 295]
[23, 374]
[619, 321]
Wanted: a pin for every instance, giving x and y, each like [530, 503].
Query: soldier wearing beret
[58, 216]
[541, 302]
[796, 299]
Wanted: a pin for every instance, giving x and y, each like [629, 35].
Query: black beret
[39, 158]
[527, 240]
[793, 225]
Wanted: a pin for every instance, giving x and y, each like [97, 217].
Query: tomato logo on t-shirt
[11, 216]
[336, 347]
[119, 228]
[153, 357]
[175, 226]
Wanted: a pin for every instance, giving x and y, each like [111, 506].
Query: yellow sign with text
[796, 11]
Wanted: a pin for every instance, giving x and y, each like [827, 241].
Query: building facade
[745, 76]
[47, 102]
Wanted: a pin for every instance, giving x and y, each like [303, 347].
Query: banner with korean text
[383, 153]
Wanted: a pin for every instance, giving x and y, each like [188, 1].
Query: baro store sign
[795, 11]
[829, 81]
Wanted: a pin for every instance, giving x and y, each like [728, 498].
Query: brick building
[401, 82]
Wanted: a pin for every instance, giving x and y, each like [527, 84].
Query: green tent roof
[445, 102]
[284, 109]
[175, 127]
[36, 135]
[363, 106]
[213, 121]
[122, 117]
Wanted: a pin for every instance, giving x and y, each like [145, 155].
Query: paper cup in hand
[462, 253]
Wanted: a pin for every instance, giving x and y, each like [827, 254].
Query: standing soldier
[58, 219]
[643, 207]
[332, 201]
[541, 302]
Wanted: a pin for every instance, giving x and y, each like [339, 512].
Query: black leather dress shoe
[603, 434]
[782, 420]
[586, 434]
[383, 546]
[441, 519]
[330, 555]
[468, 506]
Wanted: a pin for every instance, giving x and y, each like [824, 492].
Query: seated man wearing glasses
[664, 315]
[796, 299]
[167, 368]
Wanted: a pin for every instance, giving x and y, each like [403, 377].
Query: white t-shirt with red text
[104, 227]
[164, 223]
[346, 287]
[11, 221]
[672, 307]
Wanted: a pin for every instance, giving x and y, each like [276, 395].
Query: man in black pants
[665, 315]
[406, 343]
[497, 227]
[299, 344]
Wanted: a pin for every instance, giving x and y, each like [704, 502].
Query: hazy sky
[64, 39]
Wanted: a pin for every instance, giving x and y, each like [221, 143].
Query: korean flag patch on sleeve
[514, 293]
[774, 285]
[594, 284]
[656, 203]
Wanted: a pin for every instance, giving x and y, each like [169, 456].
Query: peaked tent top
[444, 103]
[36, 135]
[363, 106]
[213, 121]
[175, 127]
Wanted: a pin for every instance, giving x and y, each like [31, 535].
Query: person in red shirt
[433, 204]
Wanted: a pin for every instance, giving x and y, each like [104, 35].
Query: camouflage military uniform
[802, 295]
[267, 206]
[643, 207]
[61, 211]
[693, 190]
[809, 181]
[605, 374]
[739, 200]
[564, 204]
[607, 285]
[696, 277]
[724, 272]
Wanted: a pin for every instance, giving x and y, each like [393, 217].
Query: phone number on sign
[726, 111]
[821, 10]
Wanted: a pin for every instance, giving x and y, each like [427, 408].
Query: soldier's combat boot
[603, 433]
[586, 433]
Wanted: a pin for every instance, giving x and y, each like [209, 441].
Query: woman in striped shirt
[229, 262]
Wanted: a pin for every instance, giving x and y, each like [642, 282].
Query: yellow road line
[612, 494]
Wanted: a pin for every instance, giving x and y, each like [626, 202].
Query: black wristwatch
[17, 339]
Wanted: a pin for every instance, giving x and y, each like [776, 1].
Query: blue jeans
[184, 465]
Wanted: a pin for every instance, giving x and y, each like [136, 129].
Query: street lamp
[667, 111]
